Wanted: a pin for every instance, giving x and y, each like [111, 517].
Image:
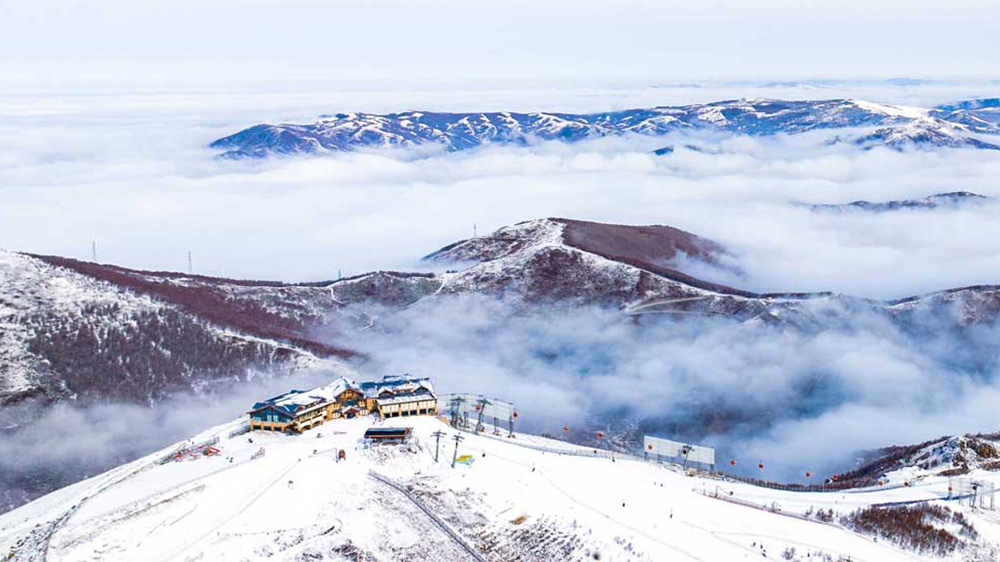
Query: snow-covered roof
[397, 384]
[337, 387]
[296, 401]
[406, 397]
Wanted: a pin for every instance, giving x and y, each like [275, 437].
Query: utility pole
[475, 234]
[454, 457]
[437, 443]
[93, 251]
[190, 266]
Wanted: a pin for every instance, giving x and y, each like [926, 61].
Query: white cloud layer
[132, 172]
[797, 400]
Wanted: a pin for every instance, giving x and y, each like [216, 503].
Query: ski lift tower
[481, 406]
[455, 405]
[462, 409]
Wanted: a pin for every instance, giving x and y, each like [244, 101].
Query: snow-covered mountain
[87, 331]
[84, 330]
[97, 333]
[636, 269]
[949, 200]
[896, 127]
[948, 456]
[923, 133]
[579, 261]
[528, 498]
[978, 115]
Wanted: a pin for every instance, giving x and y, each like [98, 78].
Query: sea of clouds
[800, 400]
[131, 171]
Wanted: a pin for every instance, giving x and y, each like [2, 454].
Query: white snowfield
[297, 502]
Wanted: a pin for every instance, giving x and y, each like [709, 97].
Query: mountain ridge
[93, 333]
[953, 199]
[896, 127]
[634, 269]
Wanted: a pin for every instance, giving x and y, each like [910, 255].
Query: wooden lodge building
[399, 396]
[300, 410]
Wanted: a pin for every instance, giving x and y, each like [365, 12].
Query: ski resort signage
[685, 454]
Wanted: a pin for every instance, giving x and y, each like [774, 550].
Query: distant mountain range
[896, 127]
[953, 199]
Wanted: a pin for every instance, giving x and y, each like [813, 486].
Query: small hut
[390, 435]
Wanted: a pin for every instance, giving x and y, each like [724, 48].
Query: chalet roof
[405, 397]
[337, 387]
[397, 384]
[297, 401]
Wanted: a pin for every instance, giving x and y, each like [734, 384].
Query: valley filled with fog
[132, 173]
[546, 280]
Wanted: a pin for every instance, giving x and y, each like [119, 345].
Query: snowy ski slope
[297, 502]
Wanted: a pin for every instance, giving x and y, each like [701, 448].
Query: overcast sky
[107, 108]
[651, 40]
